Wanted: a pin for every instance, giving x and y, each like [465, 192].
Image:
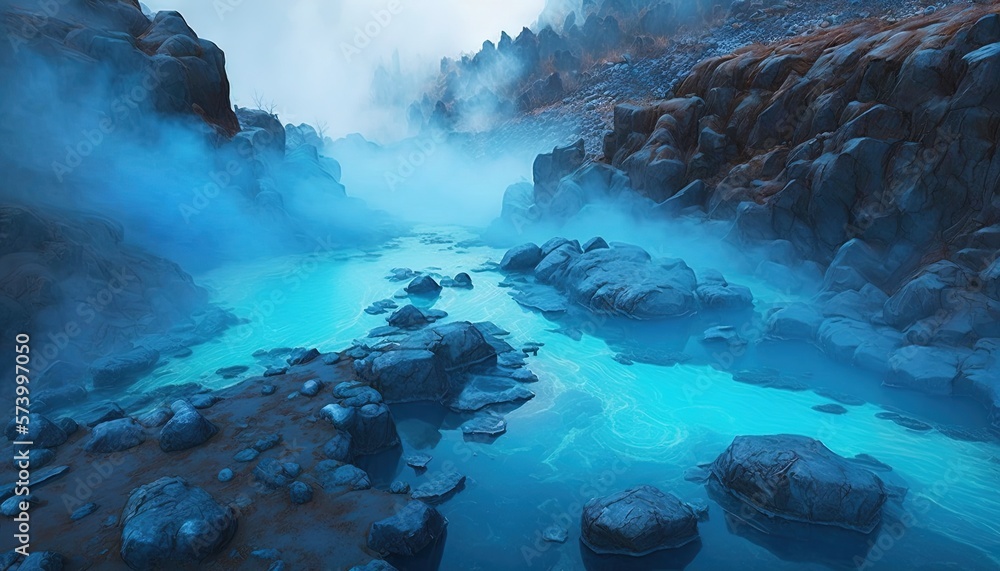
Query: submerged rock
[485, 426]
[637, 522]
[439, 488]
[830, 408]
[416, 526]
[169, 523]
[418, 461]
[800, 479]
[119, 370]
[232, 372]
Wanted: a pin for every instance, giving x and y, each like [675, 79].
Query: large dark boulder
[799, 479]
[637, 522]
[416, 526]
[171, 524]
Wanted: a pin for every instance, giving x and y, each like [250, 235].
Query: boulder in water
[800, 479]
[637, 521]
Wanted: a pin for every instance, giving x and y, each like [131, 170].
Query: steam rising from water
[316, 60]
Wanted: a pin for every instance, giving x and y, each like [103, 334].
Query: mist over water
[316, 60]
[299, 245]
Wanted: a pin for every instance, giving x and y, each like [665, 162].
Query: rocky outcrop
[850, 145]
[637, 522]
[800, 479]
[171, 523]
[621, 280]
[188, 72]
[462, 365]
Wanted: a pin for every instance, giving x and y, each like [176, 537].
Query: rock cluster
[620, 279]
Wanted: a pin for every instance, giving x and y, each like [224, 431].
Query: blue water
[597, 426]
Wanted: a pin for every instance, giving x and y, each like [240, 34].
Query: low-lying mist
[316, 60]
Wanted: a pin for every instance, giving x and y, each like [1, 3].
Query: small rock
[266, 554]
[226, 475]
[399, 487]
[273, 371]
[555, 534]
[439, 488]
[301, 356]
[248, 455]
[232, 372]
[338, 448]
[267, 442]
[485, 426]
[83, 511]
[268, 390]
[272, 473]
[418, 461]
[292, 469]
[830, 408]
[300, 493]
[311, 388]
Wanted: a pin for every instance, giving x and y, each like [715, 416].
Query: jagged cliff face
[886, 134]
[538, 67]
[122, 156]
[178, 72]
[864, 156]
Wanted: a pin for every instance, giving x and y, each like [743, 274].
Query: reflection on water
[598, 426]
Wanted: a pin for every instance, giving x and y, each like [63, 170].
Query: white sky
[292, 52]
